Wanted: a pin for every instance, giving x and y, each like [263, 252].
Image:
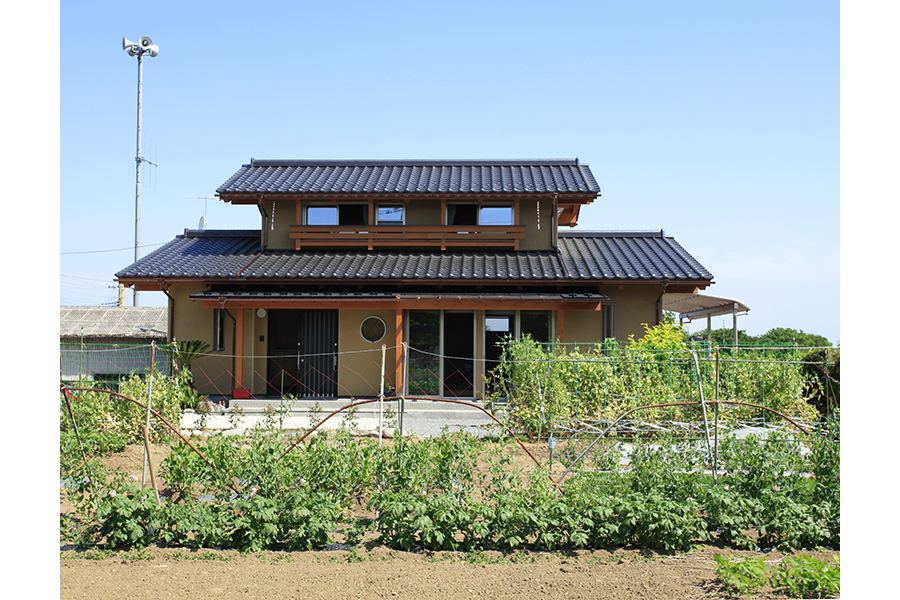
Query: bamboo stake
[149, 464]
[381, 396]
[147, 425]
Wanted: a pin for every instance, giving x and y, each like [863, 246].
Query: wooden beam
[560, 326]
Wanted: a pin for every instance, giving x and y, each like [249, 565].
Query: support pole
[137, 186]
[147, 422]
[405, 369]
[716, 431]
[734, 324]
[381, 396]
[150, 464]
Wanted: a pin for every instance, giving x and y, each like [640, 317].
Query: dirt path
[379, 572]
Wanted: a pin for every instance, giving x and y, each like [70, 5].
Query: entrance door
[303, 347]
[459, 354]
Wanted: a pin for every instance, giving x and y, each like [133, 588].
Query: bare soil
[372, 570]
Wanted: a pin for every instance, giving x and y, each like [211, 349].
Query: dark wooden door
[303, 346]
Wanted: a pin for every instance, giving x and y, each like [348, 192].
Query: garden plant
[460, 492]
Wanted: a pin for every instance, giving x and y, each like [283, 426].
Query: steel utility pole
[144, 46]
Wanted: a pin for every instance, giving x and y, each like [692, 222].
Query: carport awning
[695, 306]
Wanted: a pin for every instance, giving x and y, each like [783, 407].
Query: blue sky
[716, 121]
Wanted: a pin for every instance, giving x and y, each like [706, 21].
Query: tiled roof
[627, 255]
[216, 254]
[149, 322]
[208, 253]
[582, 257]
[411, 177]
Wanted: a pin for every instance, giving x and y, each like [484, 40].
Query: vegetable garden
[671, 475]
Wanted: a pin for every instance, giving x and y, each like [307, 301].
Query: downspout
[659, 301]
[265, 221]
[665, 284]
[554, 219]
[171, 332]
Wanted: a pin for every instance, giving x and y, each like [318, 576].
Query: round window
[372, 329]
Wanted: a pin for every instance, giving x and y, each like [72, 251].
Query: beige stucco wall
[635, 305]
[582, 327]
[423, 212]
[536, 239]
[285, 215]
[190, 321]
[359, 367]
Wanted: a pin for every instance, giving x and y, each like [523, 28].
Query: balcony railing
[402, 236]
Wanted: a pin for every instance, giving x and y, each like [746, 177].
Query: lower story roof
[581, 257]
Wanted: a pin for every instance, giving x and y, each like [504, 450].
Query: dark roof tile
[582, 257]
[628, 255]
[411, 176]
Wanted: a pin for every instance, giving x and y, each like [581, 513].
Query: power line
[113, 250]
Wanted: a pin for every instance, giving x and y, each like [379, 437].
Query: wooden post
[239, 350]
[560, 326]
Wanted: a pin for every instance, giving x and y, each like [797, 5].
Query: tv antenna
[206, 200]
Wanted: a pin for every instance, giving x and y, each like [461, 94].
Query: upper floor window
[495, 215]
[390, 215]
[474, 214]
[341, 214]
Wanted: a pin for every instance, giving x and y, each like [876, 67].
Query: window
[372, 329]
[536, 323]
[353, 214]
[608, 318]
[342, 214]
[390, 215]
[498, 323]
[495, 215]
[474, 214]
[462, 214]
[218, 344]
[321, 215]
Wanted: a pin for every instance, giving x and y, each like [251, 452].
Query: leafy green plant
[742, 576]
[804, 576]
[183, 354]
[797, 576]
[539, 384]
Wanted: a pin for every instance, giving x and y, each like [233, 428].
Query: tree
[725, 336]
[783, 336]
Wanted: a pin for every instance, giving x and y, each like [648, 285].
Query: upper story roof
[410, 177]
[582, 257]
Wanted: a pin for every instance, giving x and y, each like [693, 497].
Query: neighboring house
[443, 258]
[106, 342]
